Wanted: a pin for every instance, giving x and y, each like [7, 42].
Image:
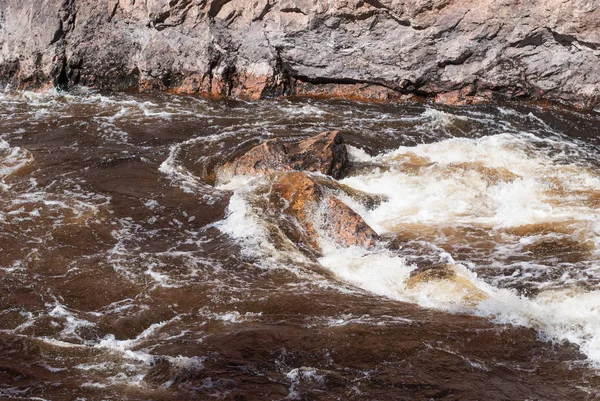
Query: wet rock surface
[456, 51]
[347, 227]
[302, 196]
[305, 197]
[324, 153]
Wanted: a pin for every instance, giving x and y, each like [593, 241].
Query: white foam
[71, 322]
[12, 160]
[305, 110]
[358, 154]
[491, 183]
[441, 194]
[241, 223]
[232, 317]
[301, 375]
[451, 189]
[126, 347]
[349, 319]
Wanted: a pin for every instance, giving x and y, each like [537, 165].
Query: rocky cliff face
[458, 51]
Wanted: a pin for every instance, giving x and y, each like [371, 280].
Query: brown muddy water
[133, 267]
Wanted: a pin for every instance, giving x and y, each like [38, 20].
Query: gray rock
[459, 51]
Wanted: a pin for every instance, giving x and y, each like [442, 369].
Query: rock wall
[457, 51]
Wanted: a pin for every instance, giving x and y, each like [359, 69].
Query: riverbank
[455, 52]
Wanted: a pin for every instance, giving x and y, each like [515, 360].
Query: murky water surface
[133, 267]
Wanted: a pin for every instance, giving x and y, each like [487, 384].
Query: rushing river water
[133, 267]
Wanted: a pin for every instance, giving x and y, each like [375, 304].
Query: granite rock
[324, 153]
[455, 51]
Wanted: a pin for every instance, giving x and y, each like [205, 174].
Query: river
[134, 267]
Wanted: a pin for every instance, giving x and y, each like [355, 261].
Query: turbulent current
[135, 266]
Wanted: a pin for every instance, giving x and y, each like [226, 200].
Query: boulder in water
[298, 196]
[324, 153]
[346, 226]
[302, 196]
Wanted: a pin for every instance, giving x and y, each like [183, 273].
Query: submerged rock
[302, 198]
[445, 275]
[560, 249]
[307, 203]
[430, 273]
[324, 153]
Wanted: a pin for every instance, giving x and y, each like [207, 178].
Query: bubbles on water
[494, 184]
[14, 161]
[153, 278]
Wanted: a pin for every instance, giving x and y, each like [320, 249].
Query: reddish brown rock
[369, 200]
[302, 195]
[454, 98]
[346, 226]
[300, 192]
[324, 153]
[358, 92]
[463, 97]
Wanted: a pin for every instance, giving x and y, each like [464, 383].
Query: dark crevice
[58, 34]
[540, 37]
[61, 82]
[232, 17]
[9, 69]
[375, 3]
[457, 61]
[568, 40]
[74, 69]
[357, 17]
[228, 76]
[66, 23]
[280, 83]
[533, 39]
[157, 19]
[167, 80]
[216, 7]
[404, 23]
[285, 75]
[283, 72]
[416, 27]
[293, 10]
[212, 65]
[264, 12]
[114, 11]
[407, 88]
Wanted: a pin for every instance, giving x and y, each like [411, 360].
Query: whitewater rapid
[495, 185]
[134, 265]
